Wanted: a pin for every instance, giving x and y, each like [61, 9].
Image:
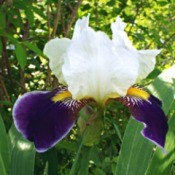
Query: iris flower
[92, 68]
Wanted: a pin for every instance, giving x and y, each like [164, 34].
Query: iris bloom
[92, 68]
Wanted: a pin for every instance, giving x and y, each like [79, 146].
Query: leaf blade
[21, 55]
[4, 148]
[130, 158]
[162, 163]
[22, 156]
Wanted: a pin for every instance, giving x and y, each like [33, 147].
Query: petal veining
[95, 68]
[55, 50]
[46, 117]
[147, 109]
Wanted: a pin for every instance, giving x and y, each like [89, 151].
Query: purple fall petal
[44, 121]
[151, 114]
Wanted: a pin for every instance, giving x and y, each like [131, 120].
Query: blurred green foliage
[25, 27]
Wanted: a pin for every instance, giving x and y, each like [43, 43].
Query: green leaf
[15, 18]
[46, 169]
[2, 19]
[0, 47]
[6, 103]
[4, 149]
[21, 55]
[51, 158]
[81, 163]
[98, 171]
[95, 157]
[162, 163]
[132, 149]
[10, 37]
[22, 154]
[75, 165]
[33, 47]
[2, 167]
[29, 15]
[84, 161]
[134, 145]
[71, 146]
[39, 12]
[163, 91]
[164, 86]
[117, 130]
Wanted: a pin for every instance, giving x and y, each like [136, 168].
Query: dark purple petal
[44, 121]
[149, 112]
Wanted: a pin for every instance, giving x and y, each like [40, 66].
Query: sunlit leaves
[21, 55]
[29, 15]
[33, 47]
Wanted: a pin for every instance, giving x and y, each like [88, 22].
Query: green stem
[81, 163]
[84, 161]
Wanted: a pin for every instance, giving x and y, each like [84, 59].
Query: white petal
[55, 50]
[80, 25]
[119, 36]
[94, 68]
[147, 61]
[146, 58]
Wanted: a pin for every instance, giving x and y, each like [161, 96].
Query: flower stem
[81, 163]
[75, 164]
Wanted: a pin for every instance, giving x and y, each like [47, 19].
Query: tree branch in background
[55, 26]
[22, 80]
[167, 40]
[164, 43]
[63, 23]
[96, 14]
[148, 45]
[4, 92]
[72, 17]
[138, 10]
[2, 64]
[56, 18]
[48, 22]
[7, 63]
[2, 1]
[21, 71]
[5, 58]
[49, 81]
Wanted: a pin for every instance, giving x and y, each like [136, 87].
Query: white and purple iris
[92, 68]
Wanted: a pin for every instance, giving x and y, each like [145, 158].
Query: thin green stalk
[89, 138]
[75, 164]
